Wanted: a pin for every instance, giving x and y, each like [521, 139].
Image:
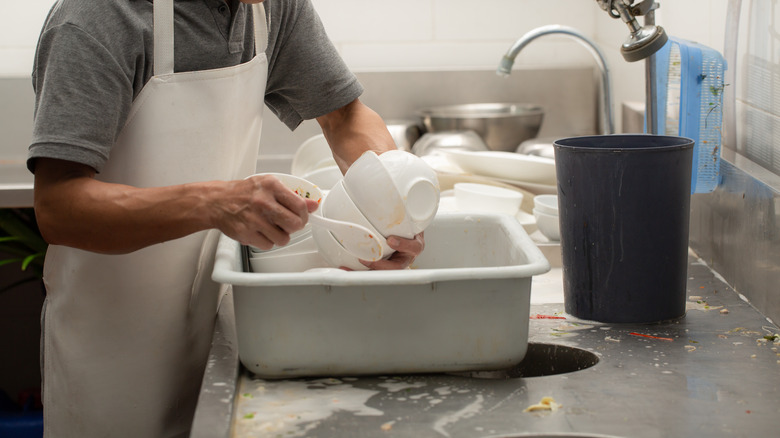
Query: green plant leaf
[9, 261]
[24, 230]
[29, 259]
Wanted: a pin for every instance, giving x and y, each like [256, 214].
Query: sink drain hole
[542, 360]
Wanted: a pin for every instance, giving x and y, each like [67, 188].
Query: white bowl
[324, 177]
[546, 204]
[398, 194]
[338, 205]
[294, 262]
[417, 183]
[371, 187]
[486, 198]
[302, 242]
[332, 252]
[303, 188]
[312, 154]
[548, 224]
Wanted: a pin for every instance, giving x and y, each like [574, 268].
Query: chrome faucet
[505, 67]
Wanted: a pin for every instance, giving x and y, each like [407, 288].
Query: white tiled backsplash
[430, 35]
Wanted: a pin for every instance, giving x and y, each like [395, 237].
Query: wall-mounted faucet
[642, 43]
[505, 67]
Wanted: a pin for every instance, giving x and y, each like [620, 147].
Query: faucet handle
[643, 7]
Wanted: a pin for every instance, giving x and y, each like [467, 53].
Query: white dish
[505, 165]
[486, 198]
[396, 191]
[312, 154]
[546, 204]
[303, 242]
[338, 205]
[295, 262]
[324, 177]
[548, 224]
[536, 189]
[417, 184]
[303, 188]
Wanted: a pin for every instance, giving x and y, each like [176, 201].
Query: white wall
[410, 35]
[22, 23]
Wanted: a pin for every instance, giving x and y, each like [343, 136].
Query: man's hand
[263, 212]
[406, 250]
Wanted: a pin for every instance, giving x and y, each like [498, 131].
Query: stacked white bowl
[394, 194]
[546, 214]
[313, 161]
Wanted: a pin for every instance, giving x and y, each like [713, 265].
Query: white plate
[505, 165]
[536, 189]
[312, 154]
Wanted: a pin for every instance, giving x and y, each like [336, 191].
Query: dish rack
[689, 103]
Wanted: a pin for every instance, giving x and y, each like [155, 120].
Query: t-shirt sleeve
[82, 98]
[307, 78]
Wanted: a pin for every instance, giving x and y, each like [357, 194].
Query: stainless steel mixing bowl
[503, 126]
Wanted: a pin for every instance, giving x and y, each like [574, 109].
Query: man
[147, 122]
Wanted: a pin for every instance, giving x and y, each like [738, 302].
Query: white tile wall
[22, 23]
[376, 35]
[410, 35]
[431, 34]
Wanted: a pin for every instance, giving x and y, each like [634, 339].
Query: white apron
[126, 337]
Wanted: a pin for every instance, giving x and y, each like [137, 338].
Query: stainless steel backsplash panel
[736, 230]
[16, 117]
[569, 96]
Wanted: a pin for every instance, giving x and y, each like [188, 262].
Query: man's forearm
[74, 209]
[354, 129]
[112, 218]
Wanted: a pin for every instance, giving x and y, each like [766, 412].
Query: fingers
[406, 250]
[263, 212]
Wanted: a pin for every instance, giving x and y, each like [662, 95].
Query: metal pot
[434, 142]
[503, 126]
[405, 133]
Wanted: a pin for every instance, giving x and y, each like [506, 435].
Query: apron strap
[261, 28]
[163, 34]
[163, 37]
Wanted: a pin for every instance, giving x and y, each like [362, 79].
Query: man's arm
[350, 131]
[354, 129]
[75, 209]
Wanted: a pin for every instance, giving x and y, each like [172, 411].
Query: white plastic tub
[463, 306]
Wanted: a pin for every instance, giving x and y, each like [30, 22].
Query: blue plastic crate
[689, 103]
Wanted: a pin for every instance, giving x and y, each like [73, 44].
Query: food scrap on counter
[546, 404]
[538, 316]
[651, 337]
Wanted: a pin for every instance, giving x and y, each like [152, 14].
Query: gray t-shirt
[94, 57]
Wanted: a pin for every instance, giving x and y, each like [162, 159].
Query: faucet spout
[508, 60]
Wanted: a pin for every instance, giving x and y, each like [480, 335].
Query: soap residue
[469, 410]
[293, 408]
[397, 385]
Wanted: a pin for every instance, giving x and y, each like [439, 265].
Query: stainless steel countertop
[716, 377]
